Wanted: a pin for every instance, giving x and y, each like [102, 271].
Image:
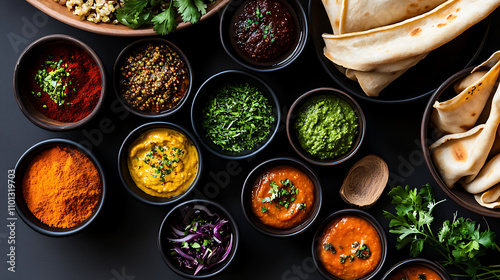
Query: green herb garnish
[163, 160]
[237, 117]
[160, 14]
[53, 79]
[329, 247]
[363, 252]
[263, 209]
[460, 242]
[283, 195]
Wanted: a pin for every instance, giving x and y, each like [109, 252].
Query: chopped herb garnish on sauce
[283, 195]
[363, 252]
[329, 247]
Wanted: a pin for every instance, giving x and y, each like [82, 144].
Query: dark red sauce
[264, 30]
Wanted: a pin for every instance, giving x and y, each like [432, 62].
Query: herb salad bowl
[227, 119]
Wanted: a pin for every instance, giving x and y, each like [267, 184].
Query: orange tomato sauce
[411, 272]
[347, 234]
[300, 202]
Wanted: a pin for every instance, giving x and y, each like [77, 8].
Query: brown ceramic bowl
[421, 262]
[22, 84]
[353, 212]
[292, 132]
[116, 78]
[21, 206]
[427, 137]
[246, 198]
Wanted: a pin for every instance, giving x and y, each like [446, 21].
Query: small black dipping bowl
[124, 173]
[418, 261]
[116, 77]
[229, 18]
[353, 212]
[292, 132]
[208, 89]
[21, 206]
[177, 212]
[246, 197]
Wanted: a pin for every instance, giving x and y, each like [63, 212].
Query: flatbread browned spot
[459, 152]
[415, 31]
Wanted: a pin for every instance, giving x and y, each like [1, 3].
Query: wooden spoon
[365, 181]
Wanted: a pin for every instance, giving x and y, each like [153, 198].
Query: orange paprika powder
[62, 187]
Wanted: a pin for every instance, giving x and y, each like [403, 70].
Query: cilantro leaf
[165, 22]
[190, 10]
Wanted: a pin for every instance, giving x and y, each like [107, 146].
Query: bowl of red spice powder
[59, 82]
[60, 187]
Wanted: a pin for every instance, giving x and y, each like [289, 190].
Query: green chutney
[326, 126]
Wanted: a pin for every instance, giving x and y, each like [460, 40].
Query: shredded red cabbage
[200, 239]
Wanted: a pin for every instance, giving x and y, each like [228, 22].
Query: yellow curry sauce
[283, 197]
[350, 247]
[163, 162]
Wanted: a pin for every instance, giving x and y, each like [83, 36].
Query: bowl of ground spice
[264, 35]
[235, 114]
[59, 82]
[325, 126]
[61, 187]
[152, 78]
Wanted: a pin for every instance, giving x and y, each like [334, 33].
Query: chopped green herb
[363, 252]
[53, 79]
[329, 247]
[237, 117]
[263, 209]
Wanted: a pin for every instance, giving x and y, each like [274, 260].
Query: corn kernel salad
[93, 10]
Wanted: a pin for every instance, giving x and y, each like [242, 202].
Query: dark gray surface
[121, 244]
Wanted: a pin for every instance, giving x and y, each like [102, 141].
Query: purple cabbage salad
[200, 239]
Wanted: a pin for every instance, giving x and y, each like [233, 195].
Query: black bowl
[203, 96]
[421, 80]
[178, 211]
[354, 212]
[419, 261]
[124, 173]
[116, 77]
[427, 135]
[226, 35]
[246, 197]
[22, 84]
[292, 132]
[21, 206]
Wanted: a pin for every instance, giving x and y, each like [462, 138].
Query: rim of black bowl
[340, 78]
[424, 139]
[211, 272]
[133, 46]
[300, 18]
[43, 123]
[436, 267]
[355, 212]
[246, 197]
[218, 79]
[124, 174]
[291, 133]
[23, 210]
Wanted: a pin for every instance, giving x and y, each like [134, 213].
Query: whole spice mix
[66, 83]
[61, 187]
[153, 78]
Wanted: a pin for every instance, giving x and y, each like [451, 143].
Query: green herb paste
[326, 126]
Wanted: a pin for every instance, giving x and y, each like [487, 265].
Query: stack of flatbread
[376, 41]
[468, 153]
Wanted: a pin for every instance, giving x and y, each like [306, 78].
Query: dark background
[122, 241]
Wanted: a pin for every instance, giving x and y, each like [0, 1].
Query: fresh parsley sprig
[460, 242]
[161, 14]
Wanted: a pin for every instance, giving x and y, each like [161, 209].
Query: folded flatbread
[490, 198]
[348, 16]
[463, 154]
[488, 177]
[384, 49]
[461, 113]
